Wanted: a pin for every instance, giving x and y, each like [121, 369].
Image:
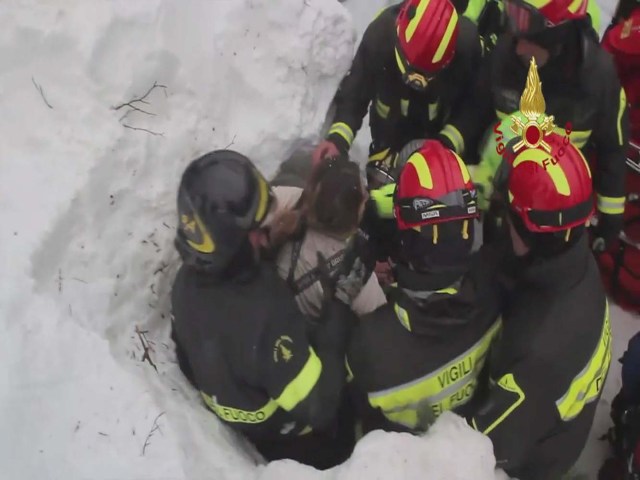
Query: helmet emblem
[532, 105]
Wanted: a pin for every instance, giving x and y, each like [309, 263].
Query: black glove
[606, 231]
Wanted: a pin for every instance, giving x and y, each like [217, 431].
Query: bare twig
[232, 142]
[163, 223]
[141, 99]
[155, 427]
[103, 434]
[60, 280]
[39, 88]
[143, 130]
[79, 280]
[146, 347]
[151, 288]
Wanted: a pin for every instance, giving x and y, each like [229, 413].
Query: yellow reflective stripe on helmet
[343, 130]
[299, 388]
[383, 200]
[538, 3]
[415, 21]
[543, 159]
[349, 371]
[454, 136]
[508, 383]
[448, 291]
[575, 5]
[474, 9]
[586, 164]
[621, 108]
[610, 205]
[382, 109]
[197, 229]
[379, 156]
[449, 386]
[236, 415]
[261, 212]
[587, 385]
[446, 38]
[403, 316]
[422, 169]
[463, 169]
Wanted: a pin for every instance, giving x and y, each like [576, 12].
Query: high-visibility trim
[454, 136]
[422, 169]
[404, 107]
[383, 199]
[610, 205]
[448, 291]
[449, 386]
[343, 130]
[399, 62]
[621, 108]
[403, 316]
[382, 109]
[587, 385]
[236, 415]
[466, 176]
[261, 212]
[434, 237]
[555, 171]
[474, 9]
[350, 376]
[305, 431]
[415, 21]
[433, 110]
[508, 383]
[586, 164]
[298, 389]
[378, 156]
[446, 38]
[538, 3]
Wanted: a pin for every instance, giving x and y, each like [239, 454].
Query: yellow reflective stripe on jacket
[236, 415]
[379, 156]
[508, 383]
[343, 130]
[402, 315]
[621, 108]
[298, 389]
[474, 9]
[404, 107]
[383, 199]
[449, 386]
[586, 386]
[610, 205]
[382, 109]
[454, 136]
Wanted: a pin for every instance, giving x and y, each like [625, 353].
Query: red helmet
[427, 33]
[434, 187]
[550, 191]
[528, 17]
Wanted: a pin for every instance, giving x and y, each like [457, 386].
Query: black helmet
[222, 196]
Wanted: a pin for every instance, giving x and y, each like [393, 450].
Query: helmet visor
[415, 211]
[524, 19]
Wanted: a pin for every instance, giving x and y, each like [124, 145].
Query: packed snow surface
[87, 203]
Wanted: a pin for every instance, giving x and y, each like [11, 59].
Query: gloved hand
[606, 231]
[326, 149]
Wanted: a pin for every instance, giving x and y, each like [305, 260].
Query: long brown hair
[333, 197]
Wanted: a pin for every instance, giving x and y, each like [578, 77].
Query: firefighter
[239, 335]
[548, 371]
[582, 91]
[424, 352]
[410, 72]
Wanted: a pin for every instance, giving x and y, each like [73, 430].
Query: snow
[88, 203]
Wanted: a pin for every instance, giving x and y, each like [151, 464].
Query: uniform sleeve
[355, 92]
[304, 380]
[611, 138]
[519, 409]
[471, 115]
